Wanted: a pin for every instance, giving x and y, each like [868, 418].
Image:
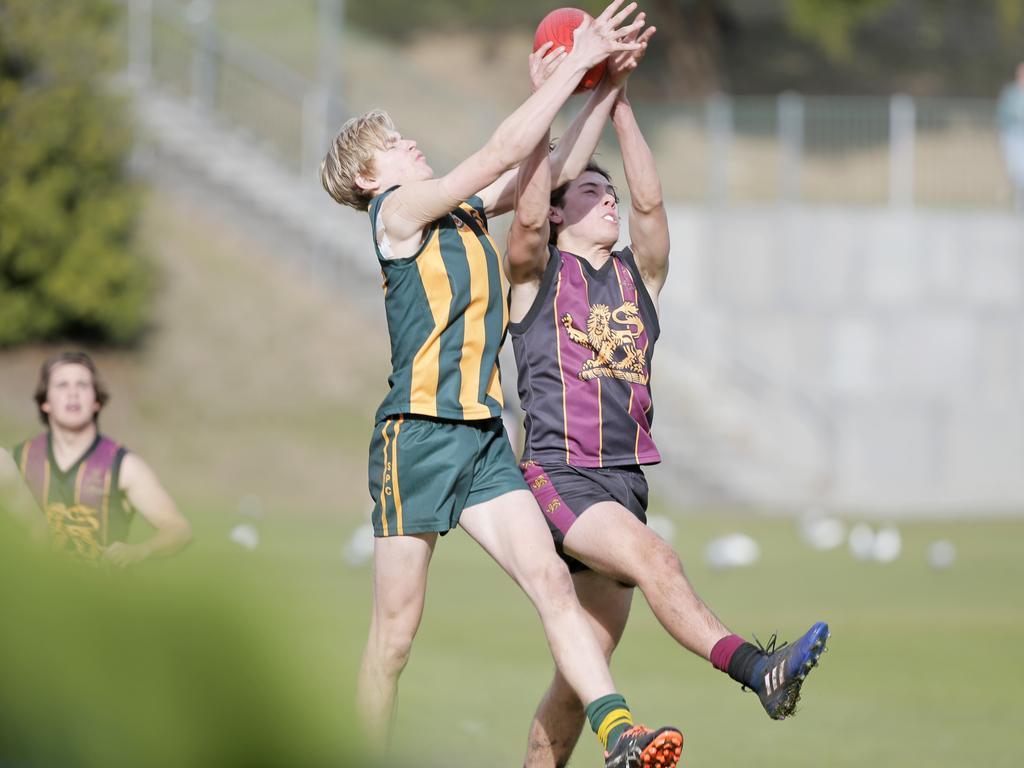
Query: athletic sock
[722, 653]
[742, 666]
[610, 718]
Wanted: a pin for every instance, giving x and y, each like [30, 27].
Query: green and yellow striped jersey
[447, 315]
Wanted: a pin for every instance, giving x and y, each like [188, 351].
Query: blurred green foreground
[225, 657]
[181, 664]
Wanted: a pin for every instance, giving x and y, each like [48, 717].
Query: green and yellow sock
[610, 718]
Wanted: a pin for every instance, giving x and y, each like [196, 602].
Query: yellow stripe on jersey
[629, 408]
[565, 411]
[426, 364]
[78, 482]
[474, 327]
[394, 475]
[561, 368]
[636, 442]
[106, 505]
[46, 482]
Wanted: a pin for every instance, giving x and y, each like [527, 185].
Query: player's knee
[393, 646]
[549, 583]
[661, 561]
[395, 653]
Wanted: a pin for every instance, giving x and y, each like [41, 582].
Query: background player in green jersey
[439, 455]
[88, 486]
[584, 323]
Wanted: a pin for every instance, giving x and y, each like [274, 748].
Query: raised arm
[648, 223]
[570, 155]
[499, 197]
[527, 252]
[415, 205]
[149, 498]
[575, 148]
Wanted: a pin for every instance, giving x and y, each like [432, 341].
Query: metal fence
[179, 50]
[870, 151]
[894, 151]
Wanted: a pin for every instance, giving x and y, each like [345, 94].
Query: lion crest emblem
[615, 351]
[75, 529]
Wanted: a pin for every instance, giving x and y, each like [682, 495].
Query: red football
[557, 27]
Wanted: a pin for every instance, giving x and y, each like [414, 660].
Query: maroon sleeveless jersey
[84, 507]
[583, 352]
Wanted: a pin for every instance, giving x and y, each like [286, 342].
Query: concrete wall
[891, 343]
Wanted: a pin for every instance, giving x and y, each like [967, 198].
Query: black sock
[743, 666]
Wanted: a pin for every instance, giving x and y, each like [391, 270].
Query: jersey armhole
[115, 482]
[627, 258]
[547, 279]
[477, 203]
[377, 230]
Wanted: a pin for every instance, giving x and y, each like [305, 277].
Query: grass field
[924, 666]
[923, 669]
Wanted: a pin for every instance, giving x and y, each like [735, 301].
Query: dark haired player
[584, 321]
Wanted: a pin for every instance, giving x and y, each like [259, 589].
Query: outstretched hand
[594, 40]
[622, 64]
[544, 61]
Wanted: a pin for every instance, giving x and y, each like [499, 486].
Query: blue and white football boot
[781, 672]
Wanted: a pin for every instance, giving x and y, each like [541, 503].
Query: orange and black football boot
[640, 747]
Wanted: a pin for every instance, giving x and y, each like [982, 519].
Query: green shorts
[425, 471]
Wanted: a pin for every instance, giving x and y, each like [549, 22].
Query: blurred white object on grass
[245, 535]
[888, 544]
[941, 554]
[820, 532]
[359, 548]
[736, 550]
[862, 542]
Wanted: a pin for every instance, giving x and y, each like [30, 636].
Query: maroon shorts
[565, 492]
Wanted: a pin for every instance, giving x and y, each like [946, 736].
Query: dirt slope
[253, 380]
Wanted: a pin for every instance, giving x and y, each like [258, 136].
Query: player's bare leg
[400, 566]
[560, 718]
[512, 531]
[612, 541]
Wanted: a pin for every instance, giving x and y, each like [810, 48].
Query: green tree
[832, 24]
[400, 18]
[689, 31]
[704, 46]
[68, 267]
